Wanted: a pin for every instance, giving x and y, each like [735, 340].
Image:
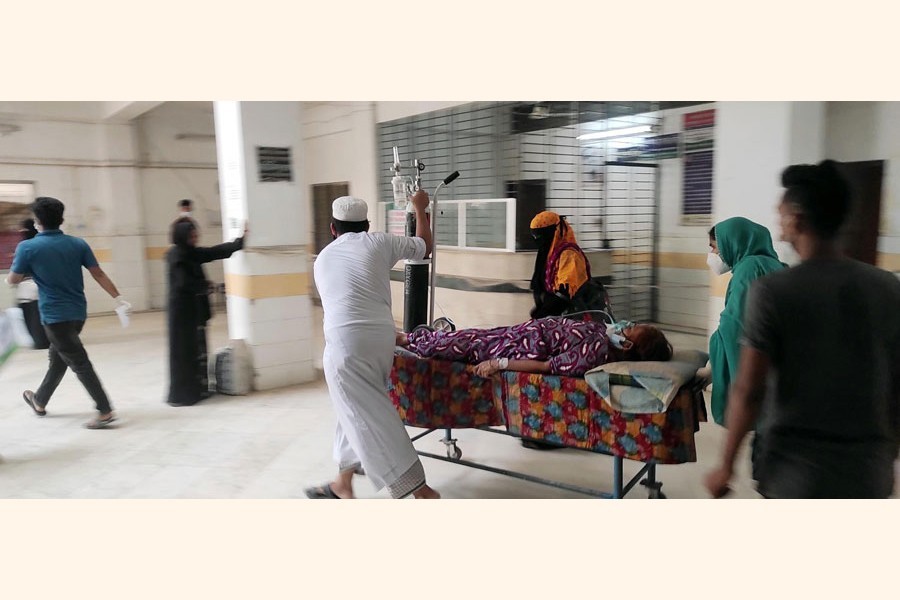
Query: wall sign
[274, 164]
[697, 156]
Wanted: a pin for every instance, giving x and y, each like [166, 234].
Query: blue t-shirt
[54, 260]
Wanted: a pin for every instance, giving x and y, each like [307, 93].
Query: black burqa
[546, 303]
[30, 311]
[189, 311]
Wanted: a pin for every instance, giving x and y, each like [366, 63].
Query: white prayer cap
[348, 208]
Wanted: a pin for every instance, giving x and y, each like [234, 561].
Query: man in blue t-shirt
[54, 260]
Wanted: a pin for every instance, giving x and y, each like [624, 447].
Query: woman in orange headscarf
[560, 269]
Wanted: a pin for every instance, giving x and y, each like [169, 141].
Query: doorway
[859, 235]
[531, 198]
[323, 194]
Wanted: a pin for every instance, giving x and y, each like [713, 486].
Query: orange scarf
[566, 263]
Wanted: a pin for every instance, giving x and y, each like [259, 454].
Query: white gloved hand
[121, 303]
[123, 309]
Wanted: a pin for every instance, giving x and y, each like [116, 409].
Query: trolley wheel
[454, 452]
[443, 324]
[654, 490]
[425, 327]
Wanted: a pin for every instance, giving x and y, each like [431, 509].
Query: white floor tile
[272, 444]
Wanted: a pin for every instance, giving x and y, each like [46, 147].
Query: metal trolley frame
[620, 488]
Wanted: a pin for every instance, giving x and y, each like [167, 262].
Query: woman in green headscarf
[745, 248]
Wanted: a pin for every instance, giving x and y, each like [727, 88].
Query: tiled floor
[267, 445]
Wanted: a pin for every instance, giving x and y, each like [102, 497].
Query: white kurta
[352, 275]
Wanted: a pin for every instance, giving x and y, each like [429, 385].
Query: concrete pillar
[268, 283]
[754, 142]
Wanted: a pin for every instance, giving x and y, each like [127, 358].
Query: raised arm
[218, 252]
[423, 227]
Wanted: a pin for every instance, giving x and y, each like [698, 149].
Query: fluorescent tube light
[613, 133]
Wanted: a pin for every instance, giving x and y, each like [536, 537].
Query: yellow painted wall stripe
[621, 257]
[718, 284]
[682, 260]
[156, 252]
[102, 254]
[889, 262]
[886, 261]
[669, 260]
[258, 287]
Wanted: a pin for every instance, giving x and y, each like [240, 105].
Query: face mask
[613, 332]
[716, 264]
[187, 214]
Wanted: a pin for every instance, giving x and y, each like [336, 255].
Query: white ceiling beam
[126, 111]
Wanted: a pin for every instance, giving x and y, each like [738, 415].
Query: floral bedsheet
[563, 410]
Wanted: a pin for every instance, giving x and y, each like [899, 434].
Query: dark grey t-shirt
[831, 417]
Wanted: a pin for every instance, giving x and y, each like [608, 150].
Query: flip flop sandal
[322, 492]
[99, 423]
[28, 396]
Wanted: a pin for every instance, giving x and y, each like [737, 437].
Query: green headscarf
[747, 248]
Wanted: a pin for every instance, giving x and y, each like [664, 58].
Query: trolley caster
[453, 451]
[654, 490]
[443, 324]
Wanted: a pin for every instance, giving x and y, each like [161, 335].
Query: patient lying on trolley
[552, 345]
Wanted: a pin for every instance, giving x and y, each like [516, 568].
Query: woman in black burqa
[189, 311]
[27, 296]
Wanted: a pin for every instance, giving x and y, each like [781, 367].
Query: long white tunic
[352, 275]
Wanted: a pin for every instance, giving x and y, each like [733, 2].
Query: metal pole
[617, 477]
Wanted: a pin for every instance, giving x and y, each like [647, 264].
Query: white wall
[339, 144]
[683, 277]
[388, 111]
[120, 183]
[755, 141]
[172, 169]
[860, 131]
[91, 168]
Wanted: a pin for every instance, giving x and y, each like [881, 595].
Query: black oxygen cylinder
[415, 285]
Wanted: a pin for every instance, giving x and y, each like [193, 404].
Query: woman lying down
[551, 345]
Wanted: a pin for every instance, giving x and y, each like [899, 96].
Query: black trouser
[755, 453]
[67, 351]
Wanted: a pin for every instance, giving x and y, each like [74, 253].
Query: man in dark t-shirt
[821, 359]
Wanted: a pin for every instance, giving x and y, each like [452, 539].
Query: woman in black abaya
[189, 311]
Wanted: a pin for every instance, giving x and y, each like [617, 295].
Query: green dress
[747, 248]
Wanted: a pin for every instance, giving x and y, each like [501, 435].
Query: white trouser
[357, 365]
